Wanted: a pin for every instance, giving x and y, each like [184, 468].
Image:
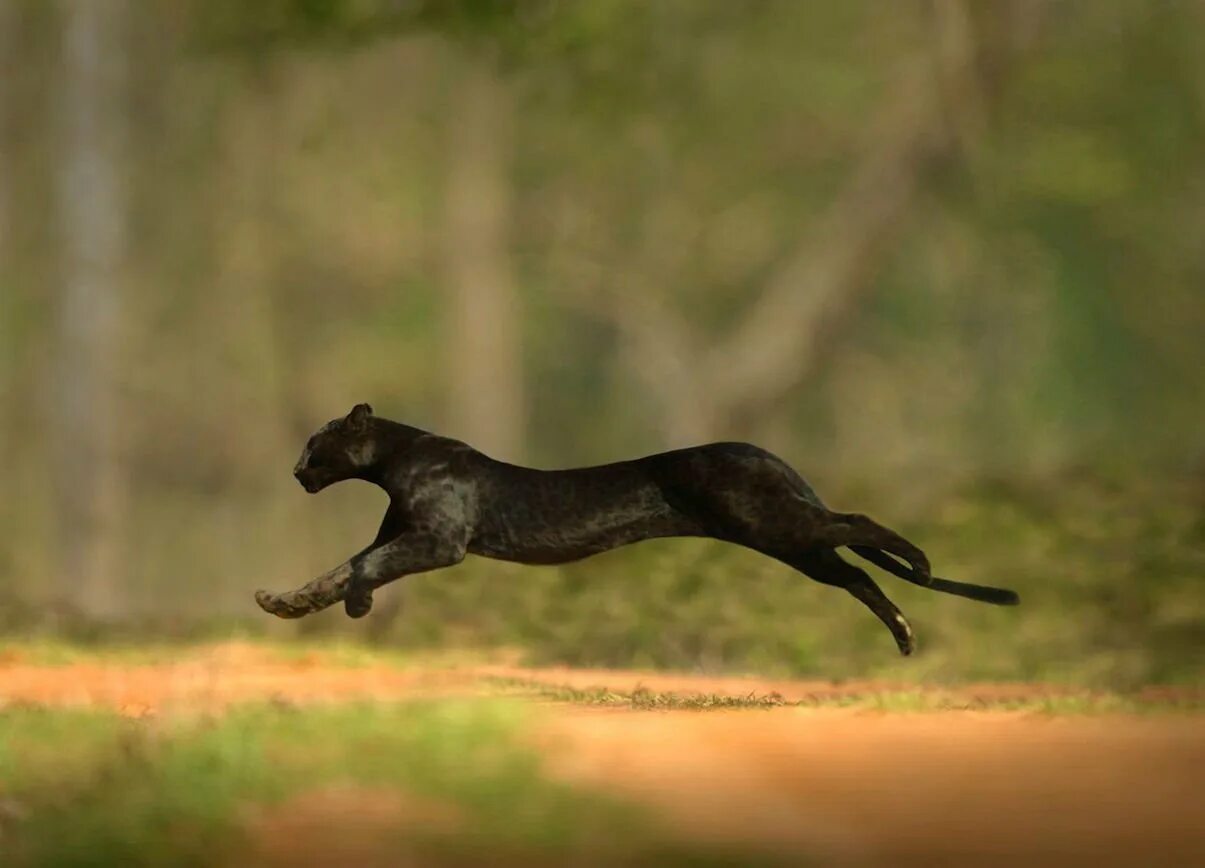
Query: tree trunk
[89, 477]
[8, 71]
[483, 340]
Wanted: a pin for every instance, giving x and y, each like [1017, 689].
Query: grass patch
[337, 652]
[644, 699]
[641, 699]
[87, 788]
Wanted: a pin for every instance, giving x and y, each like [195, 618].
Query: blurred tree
[7, 73]
[88, 466]
[866, 236]
[482, 370]
[483, 356]
[730, 384]
[7, 283]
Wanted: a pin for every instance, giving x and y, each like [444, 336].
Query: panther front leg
[330, 587]
[326, 590]
[416, 551]
[358, 601]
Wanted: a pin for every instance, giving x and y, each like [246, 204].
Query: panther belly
[566, 535]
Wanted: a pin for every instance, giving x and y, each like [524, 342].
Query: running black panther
[448, 500]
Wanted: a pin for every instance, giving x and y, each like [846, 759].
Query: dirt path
[840, 786]
[868, 788]
[214, 677]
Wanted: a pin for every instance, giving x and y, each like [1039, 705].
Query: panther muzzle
[310, 480]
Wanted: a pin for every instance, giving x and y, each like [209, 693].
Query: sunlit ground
[246, 754]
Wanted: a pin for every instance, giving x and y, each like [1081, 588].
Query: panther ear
[358, 417]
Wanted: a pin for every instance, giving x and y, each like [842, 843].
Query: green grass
[91, 789]
[641, 699]
[340, 652]
[644, 699]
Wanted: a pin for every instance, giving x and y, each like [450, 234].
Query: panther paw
[358, 603]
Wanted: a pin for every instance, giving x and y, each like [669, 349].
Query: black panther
[448, 500]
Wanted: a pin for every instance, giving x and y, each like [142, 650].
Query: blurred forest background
[946, 257]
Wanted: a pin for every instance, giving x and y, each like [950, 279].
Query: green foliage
[491, 25]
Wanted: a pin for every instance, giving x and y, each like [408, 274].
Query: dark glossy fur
[448, 500]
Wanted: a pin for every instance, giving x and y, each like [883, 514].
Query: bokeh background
[945, 257]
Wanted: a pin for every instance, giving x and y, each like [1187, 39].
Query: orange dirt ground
[832, 786]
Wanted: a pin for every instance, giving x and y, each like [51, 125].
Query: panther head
[340, 449]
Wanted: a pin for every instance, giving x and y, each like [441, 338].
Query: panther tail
[983, 593]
